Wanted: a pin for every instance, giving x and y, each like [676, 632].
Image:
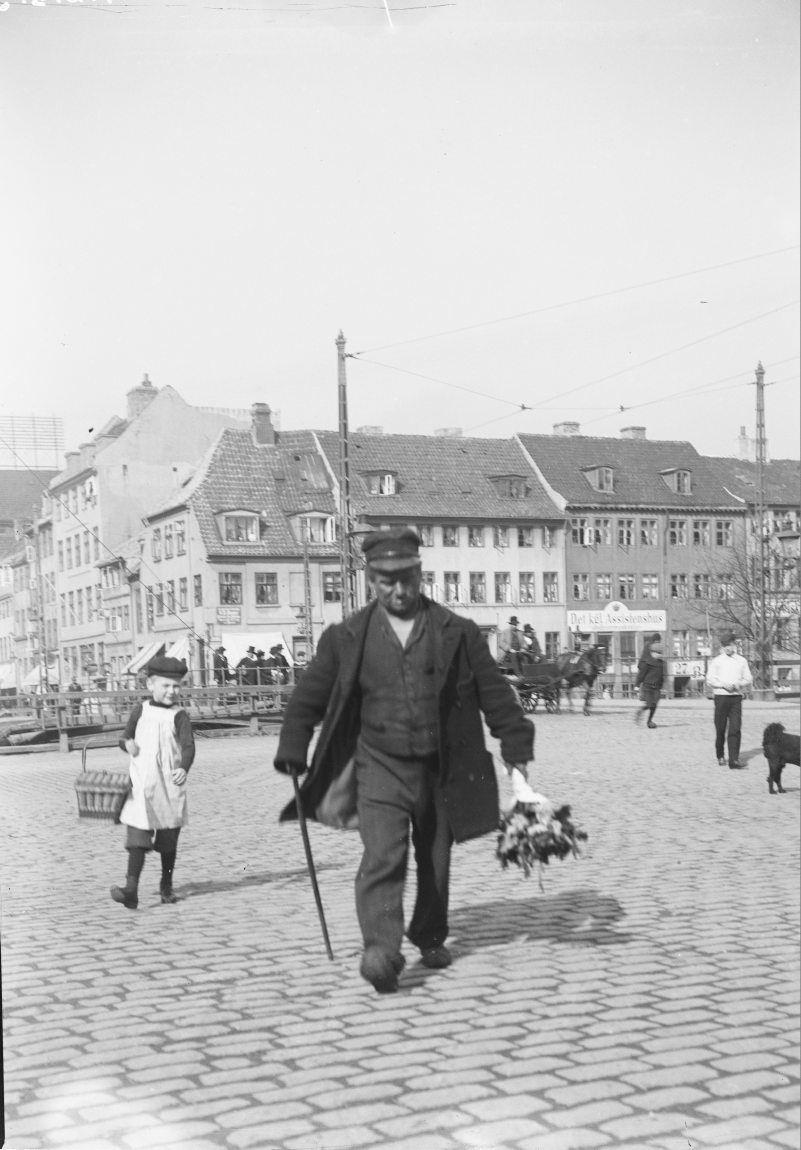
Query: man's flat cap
[727, 637]
[395, 550]
[167, 668]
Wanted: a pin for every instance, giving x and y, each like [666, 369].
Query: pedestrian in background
[531, 651]
[220, 667]
[400, 687]
[280, 663]
[246, 668]
[510, 644]
[650, 677]
[729, 677]
[158, 737]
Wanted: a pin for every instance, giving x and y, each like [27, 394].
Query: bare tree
[735, 603]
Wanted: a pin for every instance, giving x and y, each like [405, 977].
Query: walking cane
[310, 861]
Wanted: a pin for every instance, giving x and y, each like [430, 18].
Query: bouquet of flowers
[532, 831]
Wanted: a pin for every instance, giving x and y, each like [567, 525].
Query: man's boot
[128, 895]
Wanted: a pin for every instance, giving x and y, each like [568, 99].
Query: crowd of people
[254, 669]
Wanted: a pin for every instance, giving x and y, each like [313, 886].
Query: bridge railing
[64, 710]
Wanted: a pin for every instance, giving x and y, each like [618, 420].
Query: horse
[577, 667]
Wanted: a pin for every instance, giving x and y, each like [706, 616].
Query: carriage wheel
[551, 705]
[529, 702]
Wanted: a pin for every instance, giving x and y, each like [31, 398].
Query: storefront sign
[694, 668]
[229, 616]
[616, 617]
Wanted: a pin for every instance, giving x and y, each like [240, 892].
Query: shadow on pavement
[255, 878]
[578, 917]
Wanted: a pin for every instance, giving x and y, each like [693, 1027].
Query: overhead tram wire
[697, 392]
[443, 382]
[664, 354]
[575, 302]
[580, 387]
[74, 514]
[708, 388]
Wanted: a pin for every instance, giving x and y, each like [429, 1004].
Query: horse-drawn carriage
[542, 682]
[537, 683]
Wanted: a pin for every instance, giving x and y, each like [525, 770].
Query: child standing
[158, 737]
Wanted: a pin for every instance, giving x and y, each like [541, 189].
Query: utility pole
[348, 575]
[761, 524]
[307, 595]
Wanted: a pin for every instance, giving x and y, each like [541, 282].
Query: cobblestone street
[647, 996]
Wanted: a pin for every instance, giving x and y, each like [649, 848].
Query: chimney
[140, 396]
[370, 429]
[72, 462]
[745, 445]
[261, 424]
[449, 432]
[633, 432]
[87, 454]
[567, 428]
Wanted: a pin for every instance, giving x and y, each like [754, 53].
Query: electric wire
[579, 300]
[519, 406]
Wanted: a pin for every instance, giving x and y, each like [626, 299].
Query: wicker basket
[101, 794]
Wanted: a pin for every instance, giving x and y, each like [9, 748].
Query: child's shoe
[126, 897]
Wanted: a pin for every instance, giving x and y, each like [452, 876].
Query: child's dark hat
[395, 550]
[167, 668]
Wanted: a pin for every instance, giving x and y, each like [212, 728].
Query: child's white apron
[156, 801]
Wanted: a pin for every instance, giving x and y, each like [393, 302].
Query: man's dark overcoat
[466, 681]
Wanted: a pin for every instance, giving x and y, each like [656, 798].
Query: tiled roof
[637, 465]
[782, 480]
[273, 481]
[21, 492]
[439, 477]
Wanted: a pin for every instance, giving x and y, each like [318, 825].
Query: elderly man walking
[400, 688]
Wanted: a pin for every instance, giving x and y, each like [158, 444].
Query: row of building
[190, 528]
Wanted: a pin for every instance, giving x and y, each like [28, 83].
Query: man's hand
[286, 768]
[132, 748]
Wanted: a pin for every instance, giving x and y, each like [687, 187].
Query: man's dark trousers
[394, 794]
[728, 711]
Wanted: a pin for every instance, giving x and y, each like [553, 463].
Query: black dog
[779, 748]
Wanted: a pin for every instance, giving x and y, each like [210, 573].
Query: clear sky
[208, 192]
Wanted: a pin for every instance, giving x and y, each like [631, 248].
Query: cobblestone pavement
[647, 997]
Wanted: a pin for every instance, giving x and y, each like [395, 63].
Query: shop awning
[143, 658]
[179, 649]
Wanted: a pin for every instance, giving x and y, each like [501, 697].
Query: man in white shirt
[729, 676]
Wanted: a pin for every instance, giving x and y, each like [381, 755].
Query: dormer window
[381, 483]
[316, 528]
[678, 480]
[600, 478]
[511, 486]
[241, 528]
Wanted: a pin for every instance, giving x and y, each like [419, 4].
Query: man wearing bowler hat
[400, 688]
[510, 644]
